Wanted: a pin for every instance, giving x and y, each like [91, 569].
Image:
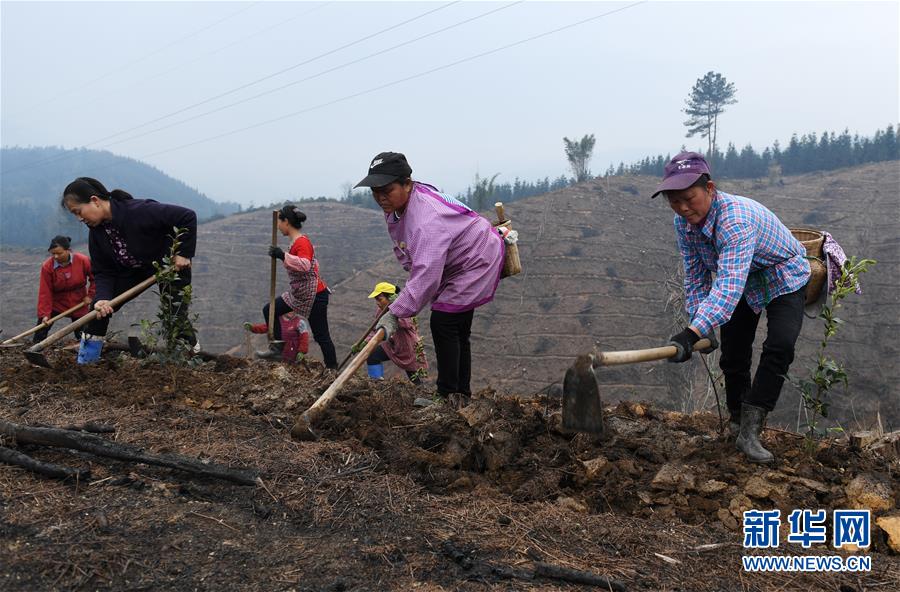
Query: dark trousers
[42, 334]
[127, 281]
[784, 316]
[318, 323]
[280, 309]
[379, 356]
[450, 332]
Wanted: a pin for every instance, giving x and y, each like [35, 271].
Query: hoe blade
[37, 358]
[582, 410]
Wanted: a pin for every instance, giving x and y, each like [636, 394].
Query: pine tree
[708, 99]
[579, 153]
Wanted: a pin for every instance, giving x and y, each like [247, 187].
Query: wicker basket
[812, 241]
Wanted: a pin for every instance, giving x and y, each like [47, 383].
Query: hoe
[582, 410]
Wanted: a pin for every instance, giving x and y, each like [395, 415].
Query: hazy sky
[80, 74]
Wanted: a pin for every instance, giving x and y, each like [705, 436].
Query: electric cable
[279, 72]
[243, 39]
[148, 55]
[312, 76]
[238, 88]
[389, 84]
[395, 82]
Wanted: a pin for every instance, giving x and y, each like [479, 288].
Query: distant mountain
[33, 178]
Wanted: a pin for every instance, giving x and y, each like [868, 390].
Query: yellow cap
[383, 288]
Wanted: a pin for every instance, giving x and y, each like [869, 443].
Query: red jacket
[64, 287]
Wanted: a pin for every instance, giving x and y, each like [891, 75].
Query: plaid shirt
[751, 252]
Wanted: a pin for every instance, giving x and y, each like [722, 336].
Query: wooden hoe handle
[118, 300]
[317, 408]
[617, 358]
[274, 268]
[501, 217]
[49, 322]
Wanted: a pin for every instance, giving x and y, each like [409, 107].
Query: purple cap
[682, 172]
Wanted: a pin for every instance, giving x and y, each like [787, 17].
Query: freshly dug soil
[392, 496]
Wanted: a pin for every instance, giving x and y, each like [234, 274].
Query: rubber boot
[752, 420]
[89, 349]
[376, 371]
[734, 424]
[273, 353]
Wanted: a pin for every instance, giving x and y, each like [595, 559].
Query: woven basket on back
[812, 241]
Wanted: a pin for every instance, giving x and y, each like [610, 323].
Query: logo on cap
[376, 162]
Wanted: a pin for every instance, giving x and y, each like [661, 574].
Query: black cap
[386, 168]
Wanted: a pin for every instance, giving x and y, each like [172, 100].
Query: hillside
[493, 496]
[34, 177]
[596, 258]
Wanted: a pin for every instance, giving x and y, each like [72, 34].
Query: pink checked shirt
[454, 256]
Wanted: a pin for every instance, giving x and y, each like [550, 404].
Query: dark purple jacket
[147, 226]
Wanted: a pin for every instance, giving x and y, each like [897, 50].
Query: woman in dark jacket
[126, 236]
[66, 280]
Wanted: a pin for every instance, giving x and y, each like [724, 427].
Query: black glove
[713, 344]
[684, 343]
[276, 252]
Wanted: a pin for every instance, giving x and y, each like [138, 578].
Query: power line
[396, 82]
[279, 72]
[243, 39]
[149, 55]
[238, 88]
[318, 74]
[389, 84]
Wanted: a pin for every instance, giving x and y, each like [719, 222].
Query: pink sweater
[454, 256]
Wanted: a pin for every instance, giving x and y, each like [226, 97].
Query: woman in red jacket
[66, 280]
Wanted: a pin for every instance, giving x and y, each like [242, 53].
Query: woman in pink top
[454, 258]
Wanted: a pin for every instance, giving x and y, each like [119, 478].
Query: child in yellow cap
[404, 347]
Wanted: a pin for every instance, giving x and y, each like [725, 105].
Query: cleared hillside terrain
[596, 259]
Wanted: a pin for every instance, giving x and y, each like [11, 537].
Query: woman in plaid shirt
[758, 265]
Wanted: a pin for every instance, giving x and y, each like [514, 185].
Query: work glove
[713, 344]
[684, 343]
[357, 347]
[389, 323]
[276, 252]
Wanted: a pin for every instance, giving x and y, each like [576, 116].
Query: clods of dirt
[372, 504]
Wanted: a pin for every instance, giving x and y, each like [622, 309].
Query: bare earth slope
[393, 497]
[596, 257]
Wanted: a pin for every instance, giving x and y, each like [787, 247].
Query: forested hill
[33, 178]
